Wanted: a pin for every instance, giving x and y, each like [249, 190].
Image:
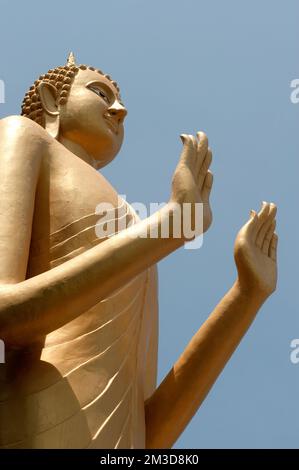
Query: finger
[188, 155]
[268, 237]
[251, 225]
[202, 148]
[266, 223]
[262, 216]
[194, 142]
[207, 186]
[203, 142]
[202, 172]
[273, 247]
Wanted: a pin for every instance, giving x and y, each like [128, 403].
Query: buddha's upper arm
[21, 149]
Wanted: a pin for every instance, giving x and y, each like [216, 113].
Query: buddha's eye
[100, 93]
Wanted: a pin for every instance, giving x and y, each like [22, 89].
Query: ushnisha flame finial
[71, 60]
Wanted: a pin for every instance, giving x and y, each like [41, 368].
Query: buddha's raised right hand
[192, 180]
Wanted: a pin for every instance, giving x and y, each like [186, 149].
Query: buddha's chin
[110, 144]
[102, 160]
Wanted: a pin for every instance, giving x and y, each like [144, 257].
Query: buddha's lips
[112, 123]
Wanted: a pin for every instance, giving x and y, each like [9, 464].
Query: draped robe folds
[87, 386]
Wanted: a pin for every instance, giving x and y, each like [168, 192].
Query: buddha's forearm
[180, 394]
[39, 305]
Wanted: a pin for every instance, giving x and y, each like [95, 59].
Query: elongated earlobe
[48, 97]
[52, 124]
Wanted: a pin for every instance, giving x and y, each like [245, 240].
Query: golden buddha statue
[79, 312]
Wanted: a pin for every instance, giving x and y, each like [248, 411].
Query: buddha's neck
[79, 151]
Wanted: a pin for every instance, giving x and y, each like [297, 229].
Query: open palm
[256, 252]
[192, 180]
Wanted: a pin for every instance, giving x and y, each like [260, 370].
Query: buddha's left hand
[256, 253]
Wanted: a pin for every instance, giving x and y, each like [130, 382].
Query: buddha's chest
[71, 202]
[77, 191]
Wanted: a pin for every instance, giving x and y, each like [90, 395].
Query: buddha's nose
[118, 111]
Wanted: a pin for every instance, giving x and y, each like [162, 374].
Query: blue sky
[221, 67]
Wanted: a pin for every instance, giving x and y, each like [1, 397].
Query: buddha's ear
[48, 97]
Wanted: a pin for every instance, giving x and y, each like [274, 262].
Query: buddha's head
[79, 104]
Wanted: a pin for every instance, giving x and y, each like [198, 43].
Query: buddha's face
[93, 116]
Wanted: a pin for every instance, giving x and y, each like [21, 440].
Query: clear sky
[224, 67]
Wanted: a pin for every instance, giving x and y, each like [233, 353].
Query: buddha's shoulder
[22, 126]
[18, 122]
